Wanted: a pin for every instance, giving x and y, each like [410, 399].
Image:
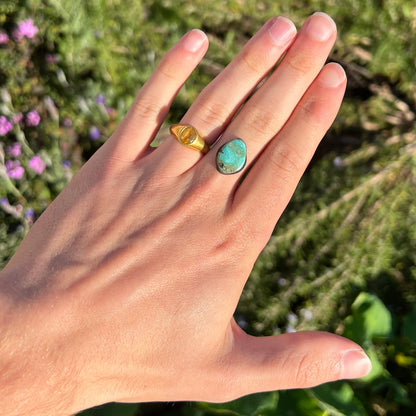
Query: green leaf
[370, 318]
[409, 326]
[338, 398]
[298, 402]
[253, 405]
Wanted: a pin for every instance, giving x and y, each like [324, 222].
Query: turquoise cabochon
[231, 157]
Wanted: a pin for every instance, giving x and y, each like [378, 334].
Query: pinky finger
[154, 99]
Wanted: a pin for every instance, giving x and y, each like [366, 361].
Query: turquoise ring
[231, 157]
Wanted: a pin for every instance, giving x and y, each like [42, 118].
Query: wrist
[29, 376]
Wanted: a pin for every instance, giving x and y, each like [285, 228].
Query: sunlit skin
[125, 288]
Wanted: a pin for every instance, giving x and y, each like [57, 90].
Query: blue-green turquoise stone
[232, 157]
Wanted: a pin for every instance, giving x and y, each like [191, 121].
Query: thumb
[296, 360]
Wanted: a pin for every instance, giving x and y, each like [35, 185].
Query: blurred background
[342, 258]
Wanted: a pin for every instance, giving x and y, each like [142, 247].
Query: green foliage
[338, 399]
[256, 404]
[371, 324]
[409, 327]
[369, 319]
[112, 409]
[342, 258]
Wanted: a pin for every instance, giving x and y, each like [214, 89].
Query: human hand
[125, 288]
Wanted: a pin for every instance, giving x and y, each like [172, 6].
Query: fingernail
[356, 364]
[332, 75]
[193, 40]
[282, 31]
[320, 27]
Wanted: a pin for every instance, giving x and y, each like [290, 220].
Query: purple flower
[29, 214]
[14, 170]
[36, 164]
[17, 118]
[5, 126]
[4, 38]
[100, 99]
[66, 164]
[94, 133]
[32, 118]
[4, 201]
[15, 150]
[25, 28]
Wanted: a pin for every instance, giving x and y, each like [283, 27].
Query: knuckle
[314, 113]
[301, 63]
[168, 70]
[310, 371]
[225, 247]
[307, 371]
[262, 122]
[212, 114]
[252, 61]
[230, 244]
[147, 108]
[307, 110]
[287, 160]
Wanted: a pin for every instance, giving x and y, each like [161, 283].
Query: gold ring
[189, 137]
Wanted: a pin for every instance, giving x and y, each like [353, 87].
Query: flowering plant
[46, 129]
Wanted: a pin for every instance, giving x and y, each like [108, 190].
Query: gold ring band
[189, 137]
